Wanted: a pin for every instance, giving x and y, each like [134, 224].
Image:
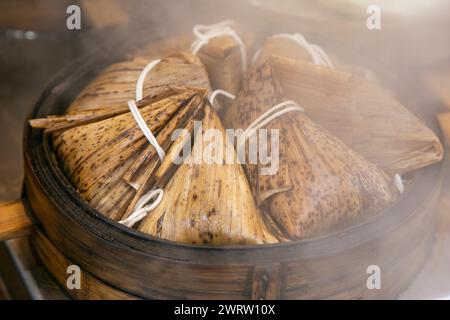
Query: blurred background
[412, 49]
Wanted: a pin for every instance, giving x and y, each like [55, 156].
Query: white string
[399, 183]
[215, 93]
[317, 53]
[141, 79]
[137, 115]
[268, 116]
[145, 129]
[141, 210]
[204, 33]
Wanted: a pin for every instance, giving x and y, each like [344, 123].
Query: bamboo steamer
[121, 263]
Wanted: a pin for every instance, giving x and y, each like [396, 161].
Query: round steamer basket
[117, 262]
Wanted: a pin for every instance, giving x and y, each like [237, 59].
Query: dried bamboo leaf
[142, 174]
[118, 196]
[207, 203]
[57, 124]
[255, 96]
[91, 153]
[364, 116]
[287, 48]
[117, 84]
[222, 58]
[176, 149]
[164, 139]
[329, 182]
[113, 196]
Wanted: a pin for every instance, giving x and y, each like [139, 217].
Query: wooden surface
[14, 221]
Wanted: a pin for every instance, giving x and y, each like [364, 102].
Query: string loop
[141, 210]
[145, 129]
[220, 92]
[141, 79]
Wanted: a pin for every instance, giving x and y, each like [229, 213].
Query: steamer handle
[14, 221]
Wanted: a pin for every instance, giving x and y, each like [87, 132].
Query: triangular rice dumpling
[364, 116]
[325, 182]
[164, 47]
[221, 55]
[117, 83]
[222, 58]
[286, 45]
[108, 160]
[208, 202]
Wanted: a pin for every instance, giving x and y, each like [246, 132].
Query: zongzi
[117, 84]
[366, 117]
[295, 46]
[222, 47]
[321, 181]
[108, 158]
[208, 203]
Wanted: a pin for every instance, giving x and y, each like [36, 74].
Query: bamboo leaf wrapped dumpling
[208, 203]
[363, 115]
[226, 58]
[294, 46]
[97, 156]
[223, 48]
[321, 182]
[117, 84]
[297, 47]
